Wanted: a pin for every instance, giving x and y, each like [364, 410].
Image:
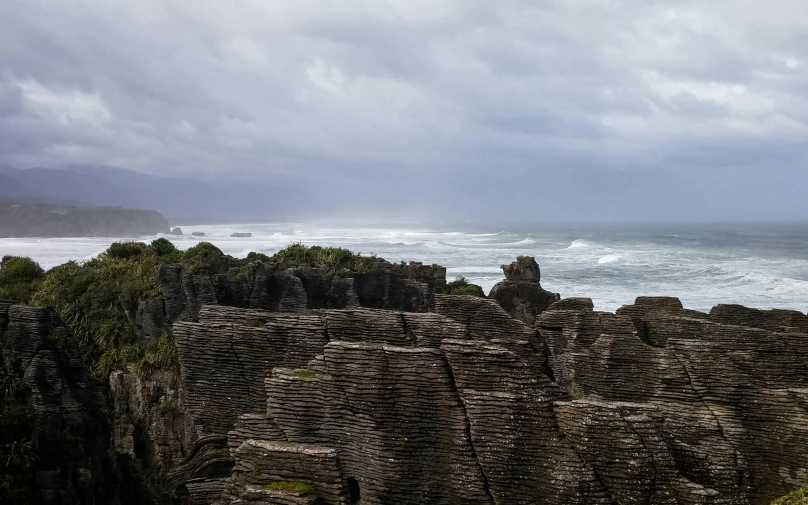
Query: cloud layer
[403, 91]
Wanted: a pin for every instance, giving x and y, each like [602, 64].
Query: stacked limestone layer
[261, 463]
[731, 399]
[280, 288]
[70, 433]
[521, 450]
[521, 294]
[653, 404]
[199, 477]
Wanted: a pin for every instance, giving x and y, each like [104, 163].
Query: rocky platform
[653, 404]
[297, 386]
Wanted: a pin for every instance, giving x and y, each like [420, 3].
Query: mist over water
[763, 266]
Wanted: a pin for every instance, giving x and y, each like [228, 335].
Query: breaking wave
[577, 244]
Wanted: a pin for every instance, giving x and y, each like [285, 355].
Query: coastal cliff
[283, 381]
[20, 219]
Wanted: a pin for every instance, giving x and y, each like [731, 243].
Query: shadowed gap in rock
[353, 490]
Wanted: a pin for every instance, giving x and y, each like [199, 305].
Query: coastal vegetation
[98, 299]
[17, 453]
[796, 497]
[461, 286]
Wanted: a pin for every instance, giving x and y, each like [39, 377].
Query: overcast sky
[490, 96]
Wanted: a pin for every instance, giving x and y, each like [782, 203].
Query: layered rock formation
[281, 288]
[301, 386]
[71, 460]
[468, 404]
[521, 294]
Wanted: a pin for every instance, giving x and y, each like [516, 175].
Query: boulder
[241, 235]
[176, 231]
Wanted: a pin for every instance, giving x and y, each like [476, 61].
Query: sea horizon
[704, 264]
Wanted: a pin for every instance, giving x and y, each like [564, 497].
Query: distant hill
[176, 198]
[19, 218]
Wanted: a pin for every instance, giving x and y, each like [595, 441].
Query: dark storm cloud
[397, 90]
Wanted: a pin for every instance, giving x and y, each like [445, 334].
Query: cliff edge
[20, 219]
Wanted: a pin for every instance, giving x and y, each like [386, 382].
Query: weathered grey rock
[241, 235]
[521, 294]
[573, 304]
[176, 231]
[151, 317]
[200, 475]
[151, 428]
[772, 320]
[71, 433]
[472, 404]
[261, 463]
[198, 234]
[289, 289]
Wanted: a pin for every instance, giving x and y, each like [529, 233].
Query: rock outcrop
[301, 386]
[71, 460]
[281, 288]
[521, 294]
[467, 404]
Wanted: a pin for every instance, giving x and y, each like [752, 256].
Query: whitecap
[787, 285]
[474, 269]
[393, 241]
[609, 258]
[577, 244]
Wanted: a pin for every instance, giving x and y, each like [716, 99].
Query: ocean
[764, 266]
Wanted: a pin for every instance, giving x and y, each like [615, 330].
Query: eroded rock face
[521, 294]
[301, 387]
[70, 434]
[409, 287]
[653, 404]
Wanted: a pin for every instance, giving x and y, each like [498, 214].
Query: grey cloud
[449, 91]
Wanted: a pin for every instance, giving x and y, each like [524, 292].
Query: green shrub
[19, 269]
[15, 415]
[334, 259]
[94, 298]
[163, 247]
[203, 258]
[19, 278]
[126, 250]
[11, 384]
[145, 357]
[797, 497]
[257, 257]
[57, 338]
[461, 286]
